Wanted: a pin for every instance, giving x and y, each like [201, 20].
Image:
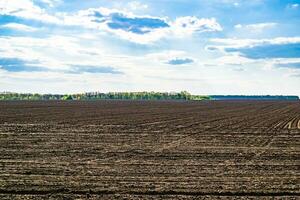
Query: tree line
[184, 95]
[253, 97]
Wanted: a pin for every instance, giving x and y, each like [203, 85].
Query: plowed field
[150, 150]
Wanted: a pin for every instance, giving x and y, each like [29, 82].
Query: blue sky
[202, 46]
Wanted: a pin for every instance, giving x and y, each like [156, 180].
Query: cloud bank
[135, 28]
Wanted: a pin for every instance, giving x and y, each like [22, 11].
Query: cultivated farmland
[149, 149]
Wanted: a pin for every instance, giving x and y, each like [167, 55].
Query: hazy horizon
[205, 47]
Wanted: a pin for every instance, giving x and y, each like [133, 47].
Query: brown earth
[150, 150]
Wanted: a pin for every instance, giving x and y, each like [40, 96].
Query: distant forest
[255, 97]
[110, 95]
[184, 95]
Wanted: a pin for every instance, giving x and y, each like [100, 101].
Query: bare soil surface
[150, 150]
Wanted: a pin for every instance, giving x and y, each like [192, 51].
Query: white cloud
[58, 53]
[286, 62]
[164, 56]
[256, 27]
[238, 26]
[233, 59]
[26, 9]
[183, 26]
[293, 6]
[51, 3]
[102, 19]
[142, 29]
[20, 27]
[54, 82]
[236, 4]
[52, 52]
[171, 57]
[268, 58]
[148, 38]
[135, 5]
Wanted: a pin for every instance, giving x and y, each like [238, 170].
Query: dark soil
[150, 150]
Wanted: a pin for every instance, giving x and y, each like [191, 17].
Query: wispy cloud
[77, 69]
[230, 60]
[180, 61]
[293, 6]
[171, 57]
[256, 27]
[269, 51]
[234, 42]
[136, 5]
[18, 27]
[26, 9]
[293, 65]
[51, 3]
[19, 65]
[260, 48]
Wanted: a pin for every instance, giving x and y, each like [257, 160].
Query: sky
[248, 47]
